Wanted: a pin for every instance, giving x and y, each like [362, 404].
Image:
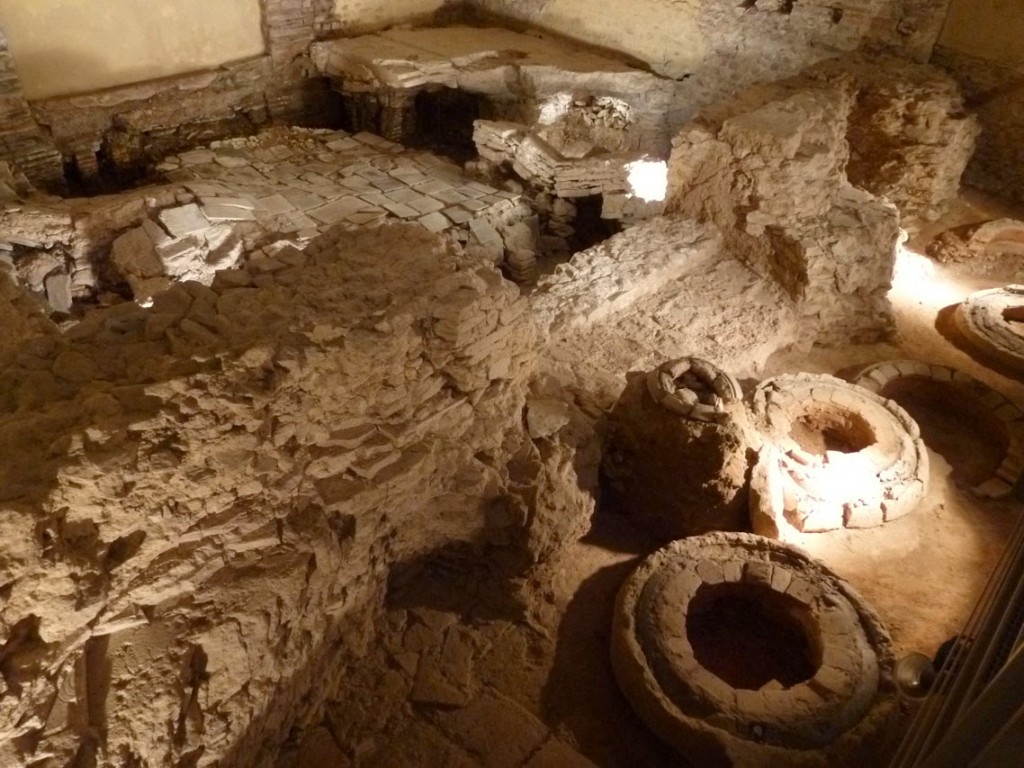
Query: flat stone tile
[370, 138]
[197, 156]
[298, 222]
[450, 196]
[433, 187]
[410, 176]
[426, 204]
[469, 191]
[302, 199]
[473, 205]
[403, 211]
[208, 188]
[373, 174]
[233, 161]
[317, 179]
[435, 222]
[404, 195]
[343, 145]
[388, 185]
[248, 175]
[274, 204]
[366, 218]
[183, 220]
[483, 188]
[231, 202]
[217, 212]
[458, 214]
[283, 173]
[336, 212]
[357, 184]
[377, 198]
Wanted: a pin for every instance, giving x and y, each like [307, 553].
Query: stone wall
[811, 177]
[21, 138]
[194, 498]
[721, 46]
[980, 46]
[125, 128]
[768, 170]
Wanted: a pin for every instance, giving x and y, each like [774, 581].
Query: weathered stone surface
[253, 436]
[768, 169]
[529, 75]
[675, 476]
[666, 287]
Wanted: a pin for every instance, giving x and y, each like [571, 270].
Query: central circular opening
[828, 428]
[956, 423]
[750, 635]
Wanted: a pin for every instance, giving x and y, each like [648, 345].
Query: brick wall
[22, 141]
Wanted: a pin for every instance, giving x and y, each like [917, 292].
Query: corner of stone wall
[23, 142]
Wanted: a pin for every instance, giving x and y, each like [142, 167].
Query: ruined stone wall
[721, 46]
[195, 497]
[981, 47]
[769, 170]
[128, 126]
[21, 138]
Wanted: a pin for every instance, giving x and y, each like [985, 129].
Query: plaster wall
[988, 29]
[664, 33]
[362, 15]
[75, 46]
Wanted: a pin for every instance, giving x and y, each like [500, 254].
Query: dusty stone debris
[312, 437]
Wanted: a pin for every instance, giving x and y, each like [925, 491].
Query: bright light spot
[917, 281]
[146, 302]
[554, 108]
[648, 179]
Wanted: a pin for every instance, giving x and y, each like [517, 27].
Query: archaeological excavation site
[511, 383]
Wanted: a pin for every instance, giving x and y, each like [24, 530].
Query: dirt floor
[533, 686]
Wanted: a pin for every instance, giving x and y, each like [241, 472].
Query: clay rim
[664, 390]
[896, 462]
[878, 376]
[688, 705]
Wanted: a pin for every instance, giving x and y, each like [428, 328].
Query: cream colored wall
[74, 46]
[988, 29]
[663, 32]
[359, 15]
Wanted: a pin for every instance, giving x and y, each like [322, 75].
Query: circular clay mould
[993, 322]
[832, 455]
[739, 650]
[695, 389]
[995, 424]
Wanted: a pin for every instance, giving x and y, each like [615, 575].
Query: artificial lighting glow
[554, 108]
[648, 179]
[916, 281]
